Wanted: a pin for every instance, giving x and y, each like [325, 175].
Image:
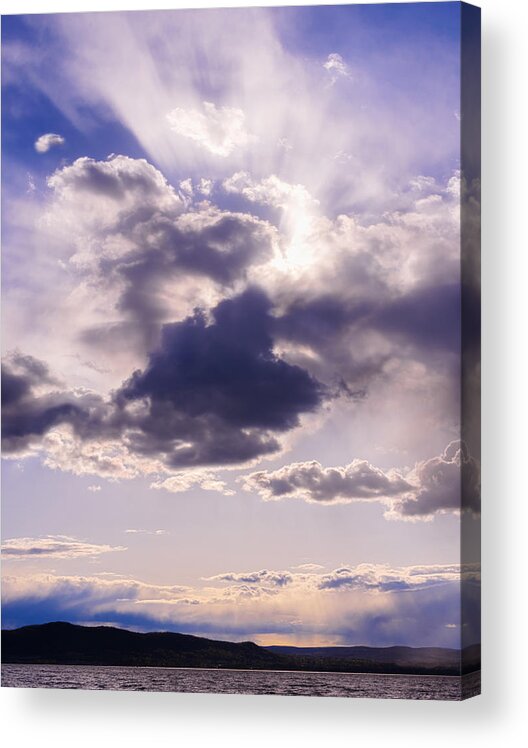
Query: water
[192, 680]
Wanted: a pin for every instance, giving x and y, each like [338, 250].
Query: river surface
[193, 680]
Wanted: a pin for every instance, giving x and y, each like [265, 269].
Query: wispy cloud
[53, 546]
[132, 531]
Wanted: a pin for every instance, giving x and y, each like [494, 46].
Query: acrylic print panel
[241, 351]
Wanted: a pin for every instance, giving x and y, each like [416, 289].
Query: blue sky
[231, 260]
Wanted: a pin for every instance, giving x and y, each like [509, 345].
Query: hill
[68, 644]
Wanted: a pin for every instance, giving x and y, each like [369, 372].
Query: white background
[65, 718]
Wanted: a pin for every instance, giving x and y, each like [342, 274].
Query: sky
[231, 324]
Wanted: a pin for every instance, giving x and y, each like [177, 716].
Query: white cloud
[205, 186]
[271, 191]
[92, 196]
[336, 66]
[204, 479]
[186, 187]
[31, 187]
[109, 458]
[219, 130]
[309, 567]
[47, 141]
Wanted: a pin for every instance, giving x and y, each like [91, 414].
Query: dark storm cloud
[222, 385]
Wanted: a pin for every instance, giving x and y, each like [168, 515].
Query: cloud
[101, 452]
[428, 317]
[336, 67]
[218, 130]
[432, 487]
[309, 481]
[97, 195]
[275, 578]
[386, 579]
[53, 546]
[203, 479]
[22, 373]
[32, 406]
[47, 141]
[89, 590]
[146, 532]
[450, 482]
[25, 412]
[216, 392]
[271, 191]
[205, 186]
[140, 250]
